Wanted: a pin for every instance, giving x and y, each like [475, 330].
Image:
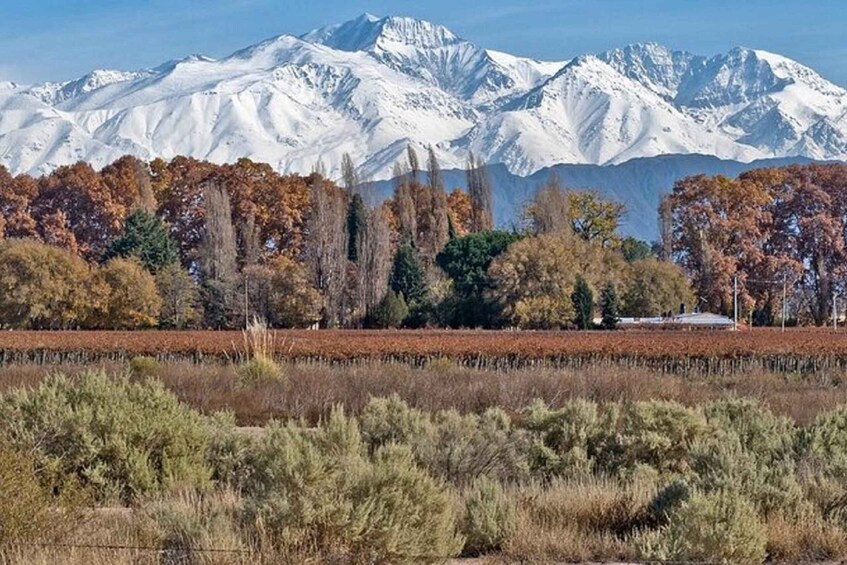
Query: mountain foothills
[371, 86]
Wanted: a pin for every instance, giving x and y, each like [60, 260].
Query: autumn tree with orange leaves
[767, 226]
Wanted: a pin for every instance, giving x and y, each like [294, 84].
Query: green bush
[118, 438]
[771, 438]
[144, 366]
[231, 453]
[390, 420]
[402, 513]
[825, 442]
[567, 441]
[723, 463]
[317, 493]
[260, 369]
[715, 528]
[655, 433]
[390, 312]
[489, 518]
[460, 448]
[449, 445]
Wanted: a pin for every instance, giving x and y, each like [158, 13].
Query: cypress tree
[356, 221]
[610, 307]
[407, 276]
[583, 305]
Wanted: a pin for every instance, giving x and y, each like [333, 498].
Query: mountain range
[371, 86]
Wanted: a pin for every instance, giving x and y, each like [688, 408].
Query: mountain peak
[656, 66]
[369, 32]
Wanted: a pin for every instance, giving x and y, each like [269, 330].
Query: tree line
[777, 232]
[188, 243]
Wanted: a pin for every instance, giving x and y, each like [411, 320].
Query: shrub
[260, 369]
[750, 453]
[401, 512]
[771, 438]
[567, 440]
[825, 442]
[118, 438]
[449, 445]
[390, 420]
[718, 527]
[667, 500]
[144, 366]
[231, 453]
[317, 493]
[489, 518]
[723, 463]
[655, 433]
[460, 449]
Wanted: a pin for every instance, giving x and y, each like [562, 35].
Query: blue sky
[61, 39]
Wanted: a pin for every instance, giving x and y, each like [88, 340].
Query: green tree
[583, 305]
[390, 312]
[408, 277]
[635, 250]
[357, 219]
[145, 237]
[609, 307]
[466, 261]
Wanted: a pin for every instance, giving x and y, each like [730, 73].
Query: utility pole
[784, 297]
[735, 304]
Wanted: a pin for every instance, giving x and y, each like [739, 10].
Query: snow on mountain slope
[436, 55]
[590, 113]
[371, 86]
[658, 68]
[284, 101]
[758, 98]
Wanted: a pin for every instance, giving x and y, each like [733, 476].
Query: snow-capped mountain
[370, 86]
